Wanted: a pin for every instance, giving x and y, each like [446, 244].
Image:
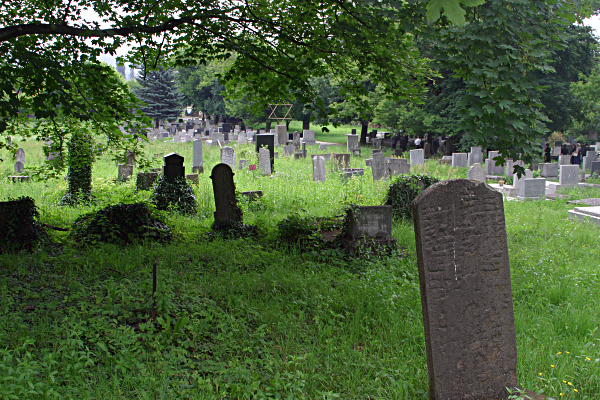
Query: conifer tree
[160, 94]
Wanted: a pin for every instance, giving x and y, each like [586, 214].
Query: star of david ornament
[284, 108]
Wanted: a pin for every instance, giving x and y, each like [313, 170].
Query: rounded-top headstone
[173, 160]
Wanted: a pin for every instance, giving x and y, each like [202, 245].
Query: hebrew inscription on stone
[466, 292]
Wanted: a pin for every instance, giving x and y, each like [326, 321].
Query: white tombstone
[318, 168]
[264, 161]
[518, 182]
[417, 157]
[476, 173]
[569, 175]
[490, 165]
[228, 156]
[459, 160]
[549, 170]
[475, 156]
[532, 188]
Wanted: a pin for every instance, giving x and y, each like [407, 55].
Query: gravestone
[288, 150]
[564, 160]
[226, 129]
[267, 140]
[466, 293]
[281, 133]
[379, 167]
[475, 156]
[491, 167]
[228, 156]
[173, 167]
[19, 167]
[341, 160]
[398, 166]
[476, 173]
[532, 188]
[518, 182]
[243, 164]
[549, 170]
[589, 159]
[197, 158]
[571, 139]
[322, 146]
[556, 151]
[459, 160]
[192, 177]
[350, 172]
[309, 137]
[145, 180]
[20, 156]
[595, 168]
[227, 211]
[124, 172]
[318, 168]
[427, 150]
[569, 175]
[369, 227]
[352, 144]
[264, 161]
[417, 157]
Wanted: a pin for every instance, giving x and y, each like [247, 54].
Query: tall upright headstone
[466, 292]
[318, 168]
[379, 167]
[173, 167]
[228, 156]
[475, 156]
[226, 208]
[417, 157]
[427, 150]
[352, 144]
[309, 137]
[281, 133]
[197, 159]
[20, 156]
[264, 163]
[267, 140]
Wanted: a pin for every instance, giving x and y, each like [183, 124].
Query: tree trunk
[268, 128]
[306, 123]
[363, 131]
[287, 124]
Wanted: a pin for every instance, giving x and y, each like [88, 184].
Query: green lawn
[335, 135]
[261, 319]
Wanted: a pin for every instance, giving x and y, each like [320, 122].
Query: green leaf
[452, 9]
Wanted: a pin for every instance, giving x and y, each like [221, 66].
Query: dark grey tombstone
[19, 167]
[571, 139]
[227, 210]
[371, 222]
[350, 172]
[398, 152]
[173, 167]
[226, 128]
[341, 160]
[145, 180]
[268, 140]
[558, 143]
[466, 293]
[354, 131]
[595, 168]
[427, 150]
[449, 147]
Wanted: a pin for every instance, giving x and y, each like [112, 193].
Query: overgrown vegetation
[177, 196]
[404, 190]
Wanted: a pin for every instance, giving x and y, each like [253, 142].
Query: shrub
[178, 195]
[19, 228]
[404, 190]
[120, 224]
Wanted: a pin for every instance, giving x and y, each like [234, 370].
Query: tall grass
[257, 319]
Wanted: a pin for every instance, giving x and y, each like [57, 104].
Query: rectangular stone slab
[466, 292]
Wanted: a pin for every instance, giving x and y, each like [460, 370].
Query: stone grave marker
[124, 172]
[368, 162]
[564, 160]
[466, 292]
[398, 166]
[475, 156]
[569, 175]
[352, 144]
[491, 167]
[427, 150]
[197, 157]
[379, 167]
[556, 151]
[228, 156]
[243, 164]
[227, 211]
[350, 172]
[417, 157]
[145, 180]
[476, 173]
[19, 167]
[589, 159]
[318, 168]
[341, 160]
[532, 188]
[595, 169]
[369, 225]
[459, 160]
[309, 137]
[20, 156]
[288, 150]
[264, 161]
[173, 167]
[322, 146]
[267, 140]
[549, 170]
[281, 133]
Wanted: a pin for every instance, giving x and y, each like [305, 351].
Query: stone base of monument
[192, 177]
[253, 194]
[591, 214]
[198, 169]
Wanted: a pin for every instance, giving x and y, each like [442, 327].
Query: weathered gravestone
[173, 167]
[267, 140]
[352, 144]
[318, 168]
[350, 172]
[476, 173]
[130, 156]
[427, 150]
[124, 172]
[564, 160]
[595, 168]
[466, 293]
[227, 211]
[379, 167]
[264, 163]
[490, 165]
[281, 134]
[341, 160]
[197, 158]
[459, 160]
[569, 175]
[19, 167]
[532, 188]
[145, 180]
[369, 226]
[475, 156]
[228, 156]
[398, 166]
[309, 137]
[20, 156]
[417, 157]
[322, 146]
[288, 150]
[243, 164]
[549, 170]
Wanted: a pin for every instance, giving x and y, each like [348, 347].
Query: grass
[335, 134]
[261, 319]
